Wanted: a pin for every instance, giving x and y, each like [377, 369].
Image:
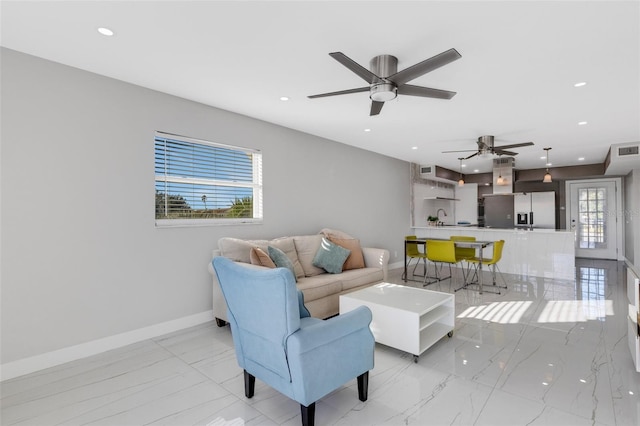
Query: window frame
[256, 185]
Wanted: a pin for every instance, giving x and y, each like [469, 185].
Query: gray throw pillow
[281, 260]
[330, 257]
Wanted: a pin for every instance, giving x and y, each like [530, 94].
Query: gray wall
[81, 258]
[632, 217]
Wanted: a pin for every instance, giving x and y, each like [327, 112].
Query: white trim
[72, 353]
[182, 223]
[396, 265]
[620, 236]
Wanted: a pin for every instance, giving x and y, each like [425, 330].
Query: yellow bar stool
[441, 251]
[414, 253]
[493, 262]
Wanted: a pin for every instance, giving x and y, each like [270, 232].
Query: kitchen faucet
[438, 215]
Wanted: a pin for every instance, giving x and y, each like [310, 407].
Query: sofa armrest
[376, 258]
[219, 306]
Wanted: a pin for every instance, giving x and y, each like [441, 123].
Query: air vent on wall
[627, 150]
[427, 171]
[622, 158]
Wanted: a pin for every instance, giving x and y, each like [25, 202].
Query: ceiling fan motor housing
[383, 66]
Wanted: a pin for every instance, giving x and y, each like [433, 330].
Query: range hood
[503, 175]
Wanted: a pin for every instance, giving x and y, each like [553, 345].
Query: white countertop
[477, 228]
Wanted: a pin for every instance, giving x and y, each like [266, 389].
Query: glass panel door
[593, 218]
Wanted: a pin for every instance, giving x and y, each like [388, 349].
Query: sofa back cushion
[288, 247]
[335, 233]
[239, 250]
[307, 246]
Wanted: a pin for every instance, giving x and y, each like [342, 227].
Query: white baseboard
[396, 265]
[24, 366]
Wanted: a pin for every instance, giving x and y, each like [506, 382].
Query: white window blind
[205, 182]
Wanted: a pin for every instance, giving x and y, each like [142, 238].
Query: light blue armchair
[278, 342]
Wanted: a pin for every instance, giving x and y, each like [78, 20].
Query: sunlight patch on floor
[575, 310]
[500, 312]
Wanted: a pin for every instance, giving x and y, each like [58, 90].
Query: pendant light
[461, 181]
[547, 175]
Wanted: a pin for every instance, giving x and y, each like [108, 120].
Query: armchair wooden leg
[363, 386]
[249, 384]
[308, 414]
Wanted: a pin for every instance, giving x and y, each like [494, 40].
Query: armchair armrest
[377, 258]
[327, 354]
[323, 333]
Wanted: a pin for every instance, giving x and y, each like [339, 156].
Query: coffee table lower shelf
[405, 318]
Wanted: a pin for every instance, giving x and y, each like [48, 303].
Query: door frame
[618, 203]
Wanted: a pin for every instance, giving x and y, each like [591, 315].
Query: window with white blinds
[200, 182]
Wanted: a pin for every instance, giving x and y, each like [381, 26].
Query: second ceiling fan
[486, 147]
[385, 82]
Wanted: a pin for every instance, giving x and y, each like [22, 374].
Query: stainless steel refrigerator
[520, 210]
[498, 211]
[535, 210]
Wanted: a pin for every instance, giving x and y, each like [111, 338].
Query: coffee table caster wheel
[450, 334]
[415, 358]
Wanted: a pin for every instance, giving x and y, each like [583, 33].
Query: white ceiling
[515, 79]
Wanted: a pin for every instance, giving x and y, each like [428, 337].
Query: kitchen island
[547, 253]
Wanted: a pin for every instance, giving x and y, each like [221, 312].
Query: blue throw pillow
[281, 260]
[330, 257]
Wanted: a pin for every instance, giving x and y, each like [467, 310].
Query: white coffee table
[406, 318]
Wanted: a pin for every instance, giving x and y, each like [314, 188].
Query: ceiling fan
[385, 82]
[486, 147]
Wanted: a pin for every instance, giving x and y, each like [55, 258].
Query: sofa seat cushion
[319, 286]
[357, 277]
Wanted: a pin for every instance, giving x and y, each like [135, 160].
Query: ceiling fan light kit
[386, 83]
[383, 92]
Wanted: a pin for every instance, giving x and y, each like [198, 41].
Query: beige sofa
[321, 290]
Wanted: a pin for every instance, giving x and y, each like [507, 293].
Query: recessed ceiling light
[284, 98]
[463, 165]
[476, 170]
[581, 159]
[582, 123]
[414, 147]
[105, 31]
[580, 84]
[543, 158]
[367, 130]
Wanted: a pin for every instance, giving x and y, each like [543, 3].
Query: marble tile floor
[545, 352]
